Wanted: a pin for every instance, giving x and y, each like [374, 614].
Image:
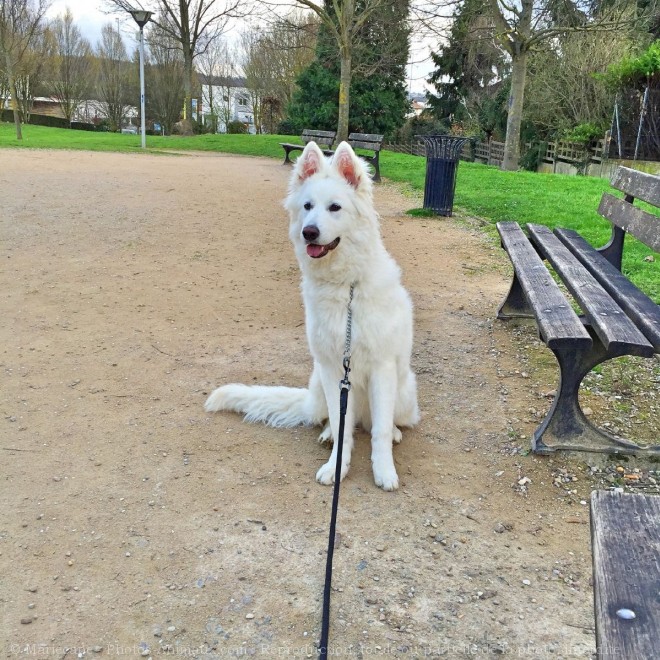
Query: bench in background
[370, 142]
[617, 318]
[322, 138]
[325, 139]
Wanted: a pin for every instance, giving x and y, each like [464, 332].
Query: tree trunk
[14, 96]
[214, 123]
[188, 90]
[14, 105]
[344, 94]
[514, 118]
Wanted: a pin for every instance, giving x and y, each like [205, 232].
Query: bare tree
[257, 69]
[193, 25]
[20, 26]
[217, 65]
[531, 25]
[165, 80]
[73, 65]
[272, 59]
[522, 26]
[566, 87]
[30, 75]
[114, 77]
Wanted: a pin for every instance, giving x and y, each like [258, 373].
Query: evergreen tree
[470, 74]
[378, 92]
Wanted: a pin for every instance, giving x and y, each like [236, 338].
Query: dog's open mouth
[317, 251]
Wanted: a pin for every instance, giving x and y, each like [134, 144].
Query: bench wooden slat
[625, 533]
[642, 225]
[558, 324]
[357, 144]
[319, 137]
[639, 307]
[366, 137]
[319, 134]
[366, 141]
[615, 330]
[322, 138]
[638, 184]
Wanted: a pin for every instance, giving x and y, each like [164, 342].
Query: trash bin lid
[443, 146]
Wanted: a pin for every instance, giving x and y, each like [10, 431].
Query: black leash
[344, 387]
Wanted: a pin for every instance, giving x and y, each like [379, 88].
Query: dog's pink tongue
[316, 251]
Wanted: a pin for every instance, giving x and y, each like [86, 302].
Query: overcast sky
[90, 17]
[86, 13]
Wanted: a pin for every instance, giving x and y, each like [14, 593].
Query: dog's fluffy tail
[275, 406]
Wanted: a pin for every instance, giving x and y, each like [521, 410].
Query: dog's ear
[348, 165]
[310, 162]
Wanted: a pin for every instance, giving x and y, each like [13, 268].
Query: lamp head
[140, 16]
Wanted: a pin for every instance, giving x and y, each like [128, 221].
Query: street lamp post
[142, 17]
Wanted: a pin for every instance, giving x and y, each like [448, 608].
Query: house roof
[221, 81]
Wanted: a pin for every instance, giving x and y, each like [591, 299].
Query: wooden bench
[322, 138]
[617, 318]
[625, 539]
[371, 142]
[325, 139]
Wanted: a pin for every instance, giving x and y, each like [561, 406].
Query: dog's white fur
[384, 391]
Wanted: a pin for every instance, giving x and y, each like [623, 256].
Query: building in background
[225, 100]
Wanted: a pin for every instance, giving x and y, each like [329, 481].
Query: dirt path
[135, 524]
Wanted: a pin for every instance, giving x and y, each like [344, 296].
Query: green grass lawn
[487, 192]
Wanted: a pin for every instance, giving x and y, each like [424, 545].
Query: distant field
[550, 199]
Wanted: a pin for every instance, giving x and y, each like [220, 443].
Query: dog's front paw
[385, 474]
[326, 474]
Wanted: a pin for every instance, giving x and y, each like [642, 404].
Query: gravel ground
[135, 524]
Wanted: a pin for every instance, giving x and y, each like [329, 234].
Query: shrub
[584, 133]
[531, 159]
[237, 127]
[48, 120]
[83, 126]
[289, 127]
[422, 125]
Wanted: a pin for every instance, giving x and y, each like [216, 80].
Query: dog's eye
[308, 206]
[333, 208]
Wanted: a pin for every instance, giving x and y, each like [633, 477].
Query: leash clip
[345, 384]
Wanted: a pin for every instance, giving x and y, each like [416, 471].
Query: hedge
[53, 122]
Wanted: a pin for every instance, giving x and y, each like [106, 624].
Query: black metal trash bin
[442, 152]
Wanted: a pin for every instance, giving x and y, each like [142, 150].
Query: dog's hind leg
[326, 434]
[406, 410]
[317, 405]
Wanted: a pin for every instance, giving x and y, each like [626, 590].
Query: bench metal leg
[376, 161]
[515, 304]
[613, 251]
[565, 426]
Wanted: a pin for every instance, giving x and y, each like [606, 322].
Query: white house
[418, 103]
[228, 100]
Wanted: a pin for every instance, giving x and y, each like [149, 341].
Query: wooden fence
[492, 152]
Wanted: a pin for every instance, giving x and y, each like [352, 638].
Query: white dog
[335, 232]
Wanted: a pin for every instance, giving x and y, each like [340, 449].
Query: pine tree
[468, 73]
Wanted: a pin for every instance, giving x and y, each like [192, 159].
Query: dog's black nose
[311, 232]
